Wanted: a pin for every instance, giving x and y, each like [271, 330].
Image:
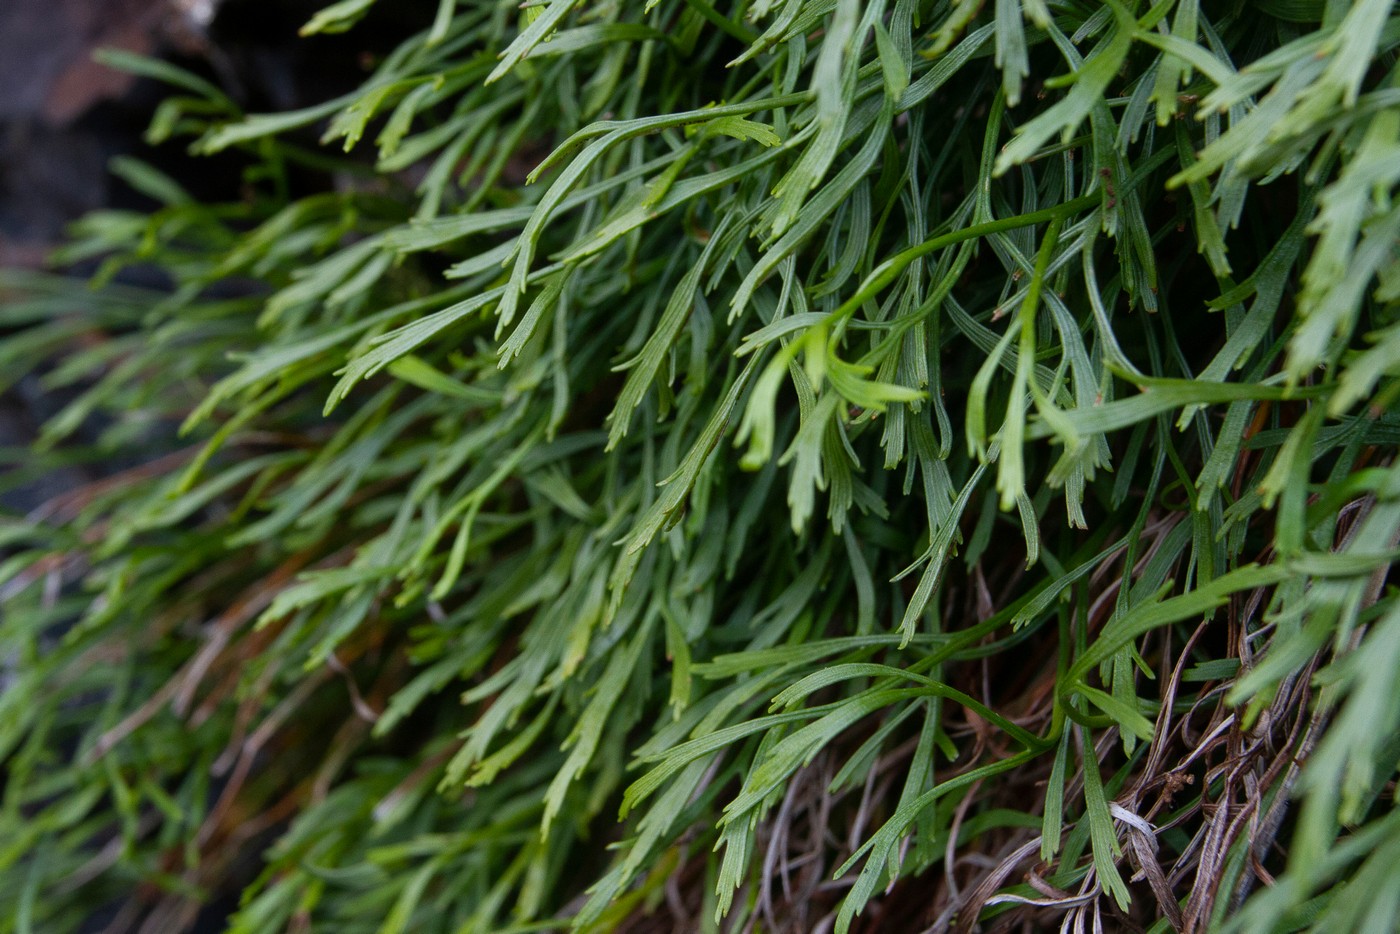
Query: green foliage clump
[732, 466]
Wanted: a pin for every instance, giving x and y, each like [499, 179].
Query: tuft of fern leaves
[738, 466]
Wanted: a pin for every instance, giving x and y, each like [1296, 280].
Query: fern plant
[805, 465]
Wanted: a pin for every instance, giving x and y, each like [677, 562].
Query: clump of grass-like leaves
[895, 465]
